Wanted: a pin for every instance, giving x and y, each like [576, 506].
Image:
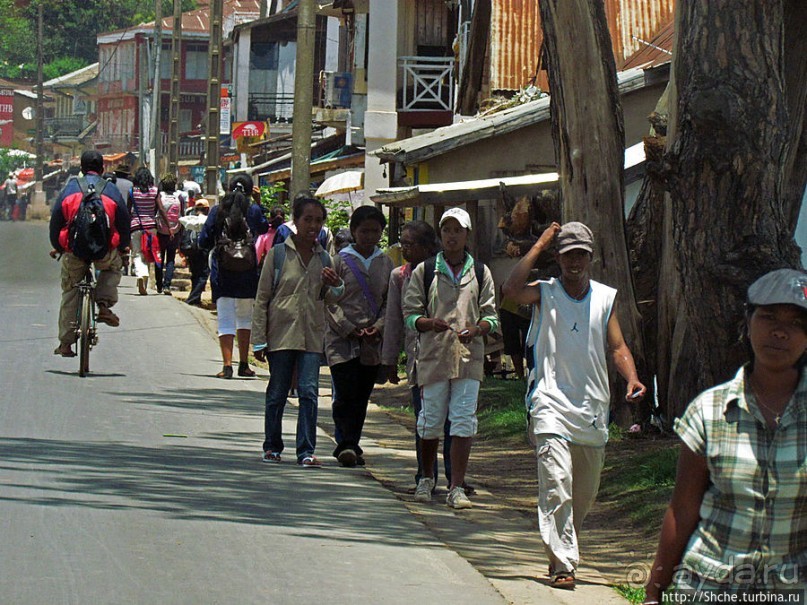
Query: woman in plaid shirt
[737, 521]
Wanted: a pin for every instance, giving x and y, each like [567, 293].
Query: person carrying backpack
[170, 206]
[288, 327]
[229, 233]
[83, 236]
[450, 301]
[142, 204]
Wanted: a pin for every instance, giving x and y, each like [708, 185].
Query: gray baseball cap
[780, 287]
[574, 235]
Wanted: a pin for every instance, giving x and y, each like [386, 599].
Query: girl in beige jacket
[355, 329]
[288, 326]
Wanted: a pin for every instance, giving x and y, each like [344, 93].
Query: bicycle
[86, 327]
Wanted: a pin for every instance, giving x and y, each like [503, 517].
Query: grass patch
[631, 593]
[640, 479]
[501, 408]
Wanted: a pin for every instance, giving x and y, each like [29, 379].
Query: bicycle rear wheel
[85, 335]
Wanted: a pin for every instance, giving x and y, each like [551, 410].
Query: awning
[355, 160]
[485, 189]
[463, 191]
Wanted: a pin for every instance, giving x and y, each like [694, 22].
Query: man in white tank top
[574, 329]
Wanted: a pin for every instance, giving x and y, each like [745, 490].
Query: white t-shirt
[568, 392]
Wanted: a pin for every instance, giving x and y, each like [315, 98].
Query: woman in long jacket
[288, 327]
[233, 291]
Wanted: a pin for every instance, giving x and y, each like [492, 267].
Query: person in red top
[73, 268]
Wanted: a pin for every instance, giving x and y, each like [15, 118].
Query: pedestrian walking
[170, 206]
[143, 208]
[418, 242]
[230, 230]
[195, 256]
[574, 327]
[355, 330]
[288, 327]
[451, 303]
[736, 522]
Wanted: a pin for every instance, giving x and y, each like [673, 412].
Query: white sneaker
[457, 499]
[423, 492]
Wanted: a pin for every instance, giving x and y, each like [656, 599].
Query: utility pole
[214, 99]
[40, 107]
[155, 90]
[142, 84]
[176, 65]
[303, 98]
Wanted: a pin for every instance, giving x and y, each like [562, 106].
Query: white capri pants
[455, 399]
[234, 314]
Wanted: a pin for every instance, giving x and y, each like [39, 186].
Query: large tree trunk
[726, 166]
[589, 143]
[795, 176]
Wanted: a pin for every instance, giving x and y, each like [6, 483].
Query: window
[196, 62]
[185, 120]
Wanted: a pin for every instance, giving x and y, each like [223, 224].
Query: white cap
[460, 215]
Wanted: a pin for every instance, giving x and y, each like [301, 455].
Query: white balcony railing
[428, 83]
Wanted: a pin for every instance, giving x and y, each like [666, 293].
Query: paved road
[142, 483]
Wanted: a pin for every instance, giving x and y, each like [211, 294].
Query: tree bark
[589, 140]
[726, 168]
[471, 76]
[795, 47]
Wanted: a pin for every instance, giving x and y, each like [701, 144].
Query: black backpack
[89, 232]
[236, 255]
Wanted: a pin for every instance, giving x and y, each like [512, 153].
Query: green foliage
[338, 214]
[8, 163]
[71, 30]
[634, 594]
[61, 66]
[271, 196]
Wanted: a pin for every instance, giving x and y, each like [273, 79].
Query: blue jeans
[199, 274]
[417, 404]
[281, 368]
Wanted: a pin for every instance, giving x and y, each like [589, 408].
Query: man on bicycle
[74, 268]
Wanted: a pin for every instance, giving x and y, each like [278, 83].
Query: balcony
[66, 127]
[427, 94]
[270, 106]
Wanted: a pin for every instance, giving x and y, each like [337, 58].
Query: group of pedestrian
[735, 522]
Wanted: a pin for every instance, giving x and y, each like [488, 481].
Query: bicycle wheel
[85, 336]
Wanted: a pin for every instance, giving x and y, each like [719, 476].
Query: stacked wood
[523, 220]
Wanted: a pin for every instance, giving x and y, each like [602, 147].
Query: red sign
[248, 129]
[6, 116]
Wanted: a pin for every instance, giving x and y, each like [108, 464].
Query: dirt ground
[610, 543]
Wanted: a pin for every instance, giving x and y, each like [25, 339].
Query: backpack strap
[278, 259]
[430, 264]
[365, 287]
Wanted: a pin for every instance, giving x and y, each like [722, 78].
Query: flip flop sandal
[271, 457]
[310, 462]
[563, 580]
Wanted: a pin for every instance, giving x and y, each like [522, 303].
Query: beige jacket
[441, 356]
[396, 335]
[353, 311]
[293, 317]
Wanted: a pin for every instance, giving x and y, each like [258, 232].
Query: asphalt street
[142, 483]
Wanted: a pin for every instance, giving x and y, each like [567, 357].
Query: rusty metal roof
[515, 43]
[654, 52]
[195, 23]
[633, 23]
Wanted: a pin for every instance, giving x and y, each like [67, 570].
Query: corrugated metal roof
[515, 43]
[633, 22]
[194, 23]
[74, 78]
[654, 52]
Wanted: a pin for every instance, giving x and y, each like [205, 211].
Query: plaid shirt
[753, 518]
